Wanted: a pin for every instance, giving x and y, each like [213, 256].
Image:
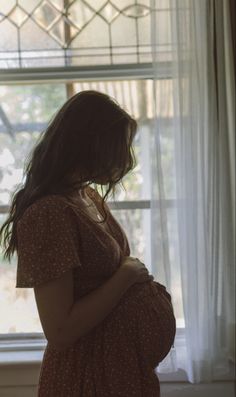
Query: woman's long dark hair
[90, 137]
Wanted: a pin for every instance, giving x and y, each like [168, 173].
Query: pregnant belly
[149, 320]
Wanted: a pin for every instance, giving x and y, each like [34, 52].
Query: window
[36, 78]
[69, 32]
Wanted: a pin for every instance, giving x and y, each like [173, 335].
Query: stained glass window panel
[28, 5]
[8, 36]
[55, 33]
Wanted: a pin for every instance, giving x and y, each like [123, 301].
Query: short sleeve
[48, 242]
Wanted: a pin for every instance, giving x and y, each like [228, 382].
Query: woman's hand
[135, 270]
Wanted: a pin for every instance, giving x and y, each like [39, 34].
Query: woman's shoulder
[44, 206]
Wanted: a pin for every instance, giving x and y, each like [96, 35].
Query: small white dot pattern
[118, 357]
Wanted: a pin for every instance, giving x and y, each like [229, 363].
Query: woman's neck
[81, 196]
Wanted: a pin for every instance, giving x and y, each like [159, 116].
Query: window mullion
[120, 205]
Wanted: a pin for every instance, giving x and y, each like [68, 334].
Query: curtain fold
[193, 251]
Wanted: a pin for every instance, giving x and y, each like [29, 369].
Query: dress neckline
[111, 223]
[92, 195]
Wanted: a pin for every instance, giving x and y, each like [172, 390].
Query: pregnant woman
[107, 323]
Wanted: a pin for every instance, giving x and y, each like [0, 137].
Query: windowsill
[23, 353]
[19, 358]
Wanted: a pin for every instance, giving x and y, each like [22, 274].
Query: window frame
[18, 350]
[30, 343]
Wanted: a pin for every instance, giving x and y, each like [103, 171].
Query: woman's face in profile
[116, 171]
[105, 180]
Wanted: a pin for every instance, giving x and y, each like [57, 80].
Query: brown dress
[117, 358]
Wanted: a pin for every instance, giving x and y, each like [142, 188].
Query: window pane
[17, 305]
[24, 112]
[26, 109]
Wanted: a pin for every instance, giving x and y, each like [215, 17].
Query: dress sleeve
[48, 242]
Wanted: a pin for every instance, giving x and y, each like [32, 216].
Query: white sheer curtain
[193, 234]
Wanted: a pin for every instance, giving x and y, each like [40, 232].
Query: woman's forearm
[90, 310]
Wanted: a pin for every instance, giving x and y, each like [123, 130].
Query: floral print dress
[118, 357]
